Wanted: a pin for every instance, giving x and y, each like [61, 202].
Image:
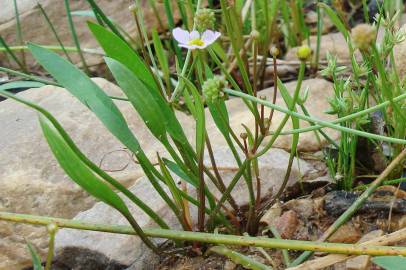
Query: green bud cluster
[212, 88]
[205, 19]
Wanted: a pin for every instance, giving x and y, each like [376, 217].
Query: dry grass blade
[328, 260]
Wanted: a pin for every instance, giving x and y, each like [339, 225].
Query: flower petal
[194, 35]
[209, 37]
[180, 35]
[190, 47]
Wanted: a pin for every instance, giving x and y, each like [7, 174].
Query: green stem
[208, 237]
[75, 36]
[51, 26]
[320, 123]
[53, 48]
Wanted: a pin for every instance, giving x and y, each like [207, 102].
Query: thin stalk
[51, 26]
[75, 36]
[217, 173]
[285, 253]
[295, 139]
[52, 229]
[318, 122]
[53, 48]
[19, 35]
[355, 206]
[10, 52]
[151, 55]
[105, 176]
[264, 242]
[347, 117]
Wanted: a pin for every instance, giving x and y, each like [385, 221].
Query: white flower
[195, 40]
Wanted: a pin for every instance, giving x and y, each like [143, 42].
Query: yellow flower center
[196, 42]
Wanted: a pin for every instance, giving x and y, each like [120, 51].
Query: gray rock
[28, 169]
[31, 16]
[129, 250]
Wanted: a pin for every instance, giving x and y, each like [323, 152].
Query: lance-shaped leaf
[84, 89]
[85, 178]
[36, 259]
[116, 49]
[140, 97]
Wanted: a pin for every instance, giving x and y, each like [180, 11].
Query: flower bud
[255, 35]
[52, 228]
[274, 51]
[243, 135]
[204, 19]
[363, 36]
[212, 88]
[304, 52]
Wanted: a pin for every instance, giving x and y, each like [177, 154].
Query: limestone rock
[319, 92]
[126, 249]
[31, 16]
[31, 179]
[28, 169]
[399, 52]
[334, 43]
[363, 262]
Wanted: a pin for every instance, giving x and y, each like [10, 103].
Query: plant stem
[51, 26]
[75, 36]
[208, 237]
[320, 123]
[355, 206]
[54, 48]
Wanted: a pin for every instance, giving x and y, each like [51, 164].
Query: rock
[271, 215]
[363, 262]
[128, 249]
[30, 15]
[347, 233]
[287, 224]
[29, 170]
[334, 43]
[319, 92]
[399, 53]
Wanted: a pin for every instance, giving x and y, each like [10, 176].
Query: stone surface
[363, 262]
[347, 233]
[334, 43]
[127, 249]
[319, 92]
[31, 16]
[287, 224]
[28, 169]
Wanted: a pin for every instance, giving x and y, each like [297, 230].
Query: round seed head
[274, 51]
[205, 19]
[304, 52]
[212, 88]
[363, 36]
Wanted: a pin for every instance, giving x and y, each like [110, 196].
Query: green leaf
[218, 111]
[84, 89]
[36, 259]
[116, 48]
[78, 171]
[20, 84]
[160, 53]
[171, 184]
[239, 258]
[390, 262]
[140, 97]
[335, 20]
[200, 121]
